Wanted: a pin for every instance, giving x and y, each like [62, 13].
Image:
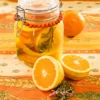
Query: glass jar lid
[38, 10]
[39, 5]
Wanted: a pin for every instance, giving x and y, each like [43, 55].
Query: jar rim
[37, 11]
[50, 13]
[38, 5]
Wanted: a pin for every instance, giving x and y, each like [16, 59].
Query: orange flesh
[76, 62]
[45, 73]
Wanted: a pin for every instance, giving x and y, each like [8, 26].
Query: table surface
[86, 44]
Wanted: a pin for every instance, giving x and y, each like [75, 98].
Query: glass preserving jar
[38, 29]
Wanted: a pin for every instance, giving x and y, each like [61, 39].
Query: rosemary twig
[46, 44]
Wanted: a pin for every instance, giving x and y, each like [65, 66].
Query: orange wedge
[47, 73]
[75, 67]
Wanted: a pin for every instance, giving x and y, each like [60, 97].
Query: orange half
[47, 73]
[75, 67]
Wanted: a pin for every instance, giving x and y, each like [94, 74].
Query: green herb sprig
[48, 40]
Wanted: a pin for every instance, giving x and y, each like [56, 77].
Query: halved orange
[47, 73]
[75, 67]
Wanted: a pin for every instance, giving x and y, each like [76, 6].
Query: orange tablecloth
[15, 80]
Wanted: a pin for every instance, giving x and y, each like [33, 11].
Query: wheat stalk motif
[93, 80]
[23, 83]
[5, 95]
[20, 83]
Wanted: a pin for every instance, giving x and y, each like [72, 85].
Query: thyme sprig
[63, 91]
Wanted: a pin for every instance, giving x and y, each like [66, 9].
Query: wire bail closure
[18, 18]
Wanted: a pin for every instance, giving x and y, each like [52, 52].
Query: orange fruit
[75, 67]
[47, 73]
[73, 22]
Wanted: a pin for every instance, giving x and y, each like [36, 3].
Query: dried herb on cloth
[63, 91]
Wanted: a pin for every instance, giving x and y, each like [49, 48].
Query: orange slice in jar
[28, 51]
[26, 41]
[40, 41]
[28, 58]
[49, 39]
[22, 30]
[26, 31]
[24, 27]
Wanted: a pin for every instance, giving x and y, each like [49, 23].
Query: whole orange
[73, 21]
